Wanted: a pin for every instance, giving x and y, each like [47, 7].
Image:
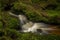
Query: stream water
[41, 28]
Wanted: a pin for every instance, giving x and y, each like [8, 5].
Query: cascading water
[22, 19]
[28, 26]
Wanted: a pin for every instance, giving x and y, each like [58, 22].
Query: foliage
[10, 27]
[10, 34]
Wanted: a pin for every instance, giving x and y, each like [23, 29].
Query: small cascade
[28, 26]
[23, 19]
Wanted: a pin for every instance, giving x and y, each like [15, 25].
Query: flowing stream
[41, 28]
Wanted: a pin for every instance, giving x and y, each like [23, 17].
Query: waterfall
[23, 19]
[28, 26]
